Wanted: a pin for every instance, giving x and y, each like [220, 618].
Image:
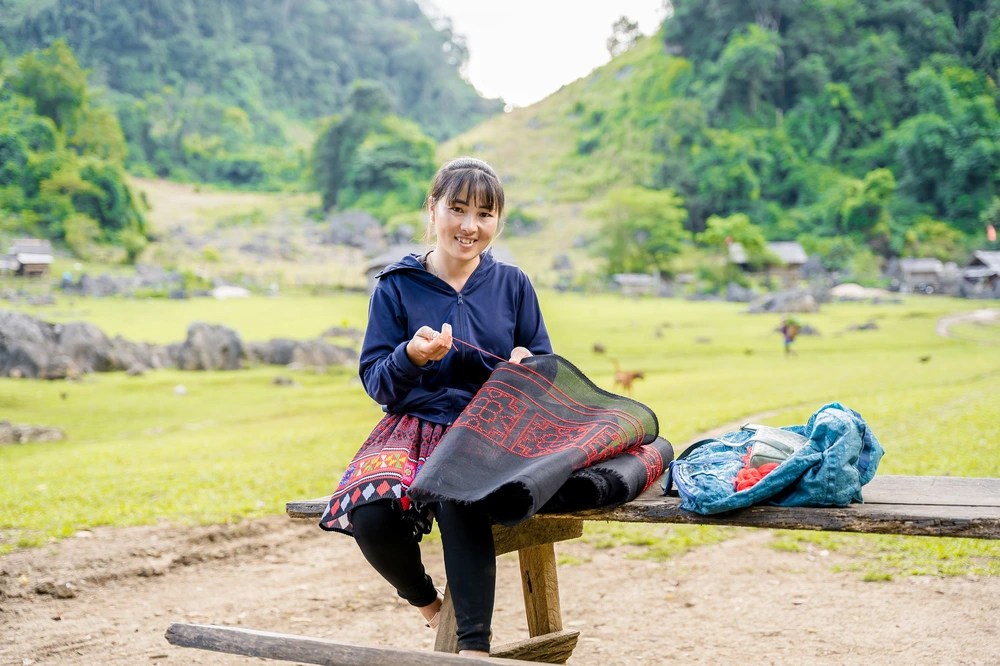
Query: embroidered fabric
[532, 428]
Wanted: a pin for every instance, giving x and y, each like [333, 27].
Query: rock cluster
[31, 348]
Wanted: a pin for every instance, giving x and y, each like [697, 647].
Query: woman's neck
[455, 273]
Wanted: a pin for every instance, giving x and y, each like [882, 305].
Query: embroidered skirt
[383, 469]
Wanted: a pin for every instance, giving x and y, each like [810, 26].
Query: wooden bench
[908, 505]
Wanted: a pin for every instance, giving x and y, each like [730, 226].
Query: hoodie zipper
[460, 320]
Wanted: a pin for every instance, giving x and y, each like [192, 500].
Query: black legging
[387, 542]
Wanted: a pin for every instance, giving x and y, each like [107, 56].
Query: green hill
[855, 127]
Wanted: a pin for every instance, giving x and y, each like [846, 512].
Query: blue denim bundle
[838, 455]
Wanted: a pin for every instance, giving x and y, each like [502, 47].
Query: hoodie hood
[414, 262]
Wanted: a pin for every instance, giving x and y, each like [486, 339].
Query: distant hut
[637, 284]
[790, 254]
[28, 257]
[920, 275]
[981, 276]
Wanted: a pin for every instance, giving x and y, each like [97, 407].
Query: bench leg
[541, 589]
[447, 634]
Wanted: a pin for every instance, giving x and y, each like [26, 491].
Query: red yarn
[749, 476]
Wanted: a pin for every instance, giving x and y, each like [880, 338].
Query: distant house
[791, 258]
[981, 277]
[637, 284]
[920, 275]
[28, 257]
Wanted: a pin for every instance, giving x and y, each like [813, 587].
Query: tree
[641, 229]
[390, 169]
[334, 150]
[624, 34]
[99, 134]
[53, 79]
[948, 153]
[722, 232]
[750, 65]
[933, 238]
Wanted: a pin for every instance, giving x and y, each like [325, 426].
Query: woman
[424, 377]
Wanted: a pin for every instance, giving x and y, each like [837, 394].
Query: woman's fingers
[425, 332]
[431, 345]
[445, 336]
[518, 354]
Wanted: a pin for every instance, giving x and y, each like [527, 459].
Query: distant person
[411, 365]
[789, 331]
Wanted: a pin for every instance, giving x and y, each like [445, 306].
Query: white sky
[524, 50]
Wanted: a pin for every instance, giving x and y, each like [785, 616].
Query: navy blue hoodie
[496, 311]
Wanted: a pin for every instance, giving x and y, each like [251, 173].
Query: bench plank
[940, 506]
[905, 519]
[933, 490]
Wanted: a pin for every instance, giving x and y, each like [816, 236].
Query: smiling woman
[465, 204]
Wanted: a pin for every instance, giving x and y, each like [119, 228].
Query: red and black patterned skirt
[383, 469]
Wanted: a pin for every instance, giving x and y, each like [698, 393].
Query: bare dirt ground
[107, 596]
[726, 603]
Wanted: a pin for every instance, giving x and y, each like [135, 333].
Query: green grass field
[236, 445]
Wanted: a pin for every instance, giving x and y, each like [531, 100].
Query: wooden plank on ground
[553, 648]
[307, 650]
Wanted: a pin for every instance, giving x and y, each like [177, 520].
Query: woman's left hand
[517, 354]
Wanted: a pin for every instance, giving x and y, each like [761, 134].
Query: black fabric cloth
[613, 482]
[531, 426]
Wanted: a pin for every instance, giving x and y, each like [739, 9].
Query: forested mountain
[866, 129]
[208, 89]
[855, 126]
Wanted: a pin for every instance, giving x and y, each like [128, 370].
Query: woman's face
[464, 229]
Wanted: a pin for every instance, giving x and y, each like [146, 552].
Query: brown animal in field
[625, 378]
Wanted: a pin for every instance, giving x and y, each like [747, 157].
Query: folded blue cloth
[841, 455]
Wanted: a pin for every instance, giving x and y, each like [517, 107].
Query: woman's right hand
[428, 345]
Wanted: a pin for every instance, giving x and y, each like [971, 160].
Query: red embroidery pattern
[651, 461]
[383, 468]
[495, 414]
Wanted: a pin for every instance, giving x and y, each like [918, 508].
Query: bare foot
[432, 613]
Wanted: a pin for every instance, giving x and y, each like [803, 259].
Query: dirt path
[985, 316]
[739, 600]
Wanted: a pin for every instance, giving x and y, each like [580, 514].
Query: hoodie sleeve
[530, 331]
[385, 370]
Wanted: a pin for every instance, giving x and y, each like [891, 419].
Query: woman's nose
[468, 222]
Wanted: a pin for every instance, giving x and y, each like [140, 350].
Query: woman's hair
[468, 174]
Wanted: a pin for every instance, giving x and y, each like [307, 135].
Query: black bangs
[481, 188]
